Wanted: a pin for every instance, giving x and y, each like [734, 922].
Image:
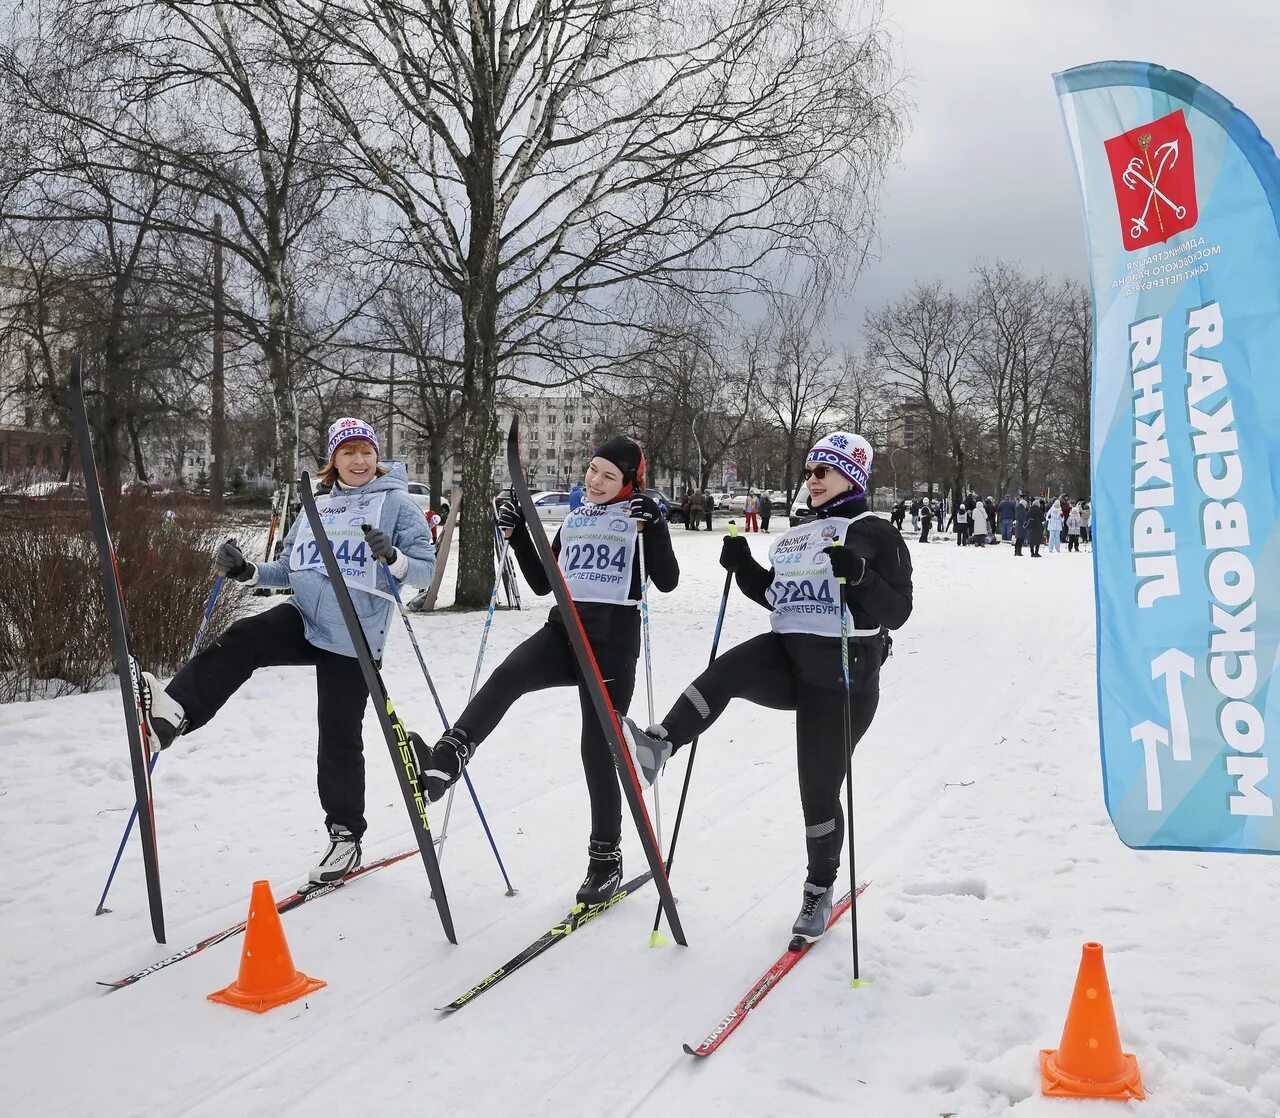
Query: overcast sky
[986, 171]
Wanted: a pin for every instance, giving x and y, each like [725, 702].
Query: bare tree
[1072, 394]
[803, 386]
[547, 158]
[202, 93]
[925, 343]
[413, 325]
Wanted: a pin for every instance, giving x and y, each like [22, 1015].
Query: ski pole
[648, 671]
[475, 677]
[151, 764]
[848, 770]
[422, 663]
[693, 748]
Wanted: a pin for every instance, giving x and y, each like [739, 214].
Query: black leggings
[763, 671]
[545, 660]
[275, 637]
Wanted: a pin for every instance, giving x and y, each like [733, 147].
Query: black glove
[645, 509]
[845, 564]
[380, 545]
[230, 562]
[510, 516]
[734, 553]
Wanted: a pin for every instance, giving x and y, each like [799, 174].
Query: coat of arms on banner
[1153, 172]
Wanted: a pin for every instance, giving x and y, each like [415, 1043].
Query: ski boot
[342, 857]
[440, 766]
[604, 872]
[815, 911]
[165, 718]
[649, 749]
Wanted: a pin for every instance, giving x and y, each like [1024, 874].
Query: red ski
[765, 983]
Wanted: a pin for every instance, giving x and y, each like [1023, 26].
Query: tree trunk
[437, 446]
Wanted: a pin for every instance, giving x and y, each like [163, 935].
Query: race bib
[805, 595]
[596, 553]
[343, 514]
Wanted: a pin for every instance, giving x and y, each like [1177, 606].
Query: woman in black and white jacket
[797, 664]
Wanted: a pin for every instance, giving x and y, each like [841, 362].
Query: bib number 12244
[308, 552]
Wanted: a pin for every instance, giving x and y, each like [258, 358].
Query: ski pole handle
[733, 527]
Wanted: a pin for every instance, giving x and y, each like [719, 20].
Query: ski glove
[380, 545]
[845, 564]
[644, 509]
[510, 516]
[734, 553]
[230, 562]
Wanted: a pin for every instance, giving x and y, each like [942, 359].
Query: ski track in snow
[980, 824]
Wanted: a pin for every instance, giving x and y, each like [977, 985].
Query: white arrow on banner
[1152, 737]
[1173, 665]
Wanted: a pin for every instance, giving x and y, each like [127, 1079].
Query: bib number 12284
[595, 557]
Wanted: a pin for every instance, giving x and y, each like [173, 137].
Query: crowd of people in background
[1029, 522]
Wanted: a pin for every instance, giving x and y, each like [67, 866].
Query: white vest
[596, 553]
[342, 512]
[805, 595]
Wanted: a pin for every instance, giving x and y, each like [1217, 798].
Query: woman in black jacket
[1035, 527]
[597, 548]
[797, 664]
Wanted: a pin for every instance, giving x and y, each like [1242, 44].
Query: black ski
[296, 899]
[122, 644]
[402, 756]
[594, 683]
[580, 914]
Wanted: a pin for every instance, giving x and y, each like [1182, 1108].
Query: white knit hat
[850, 454]
[346, 429]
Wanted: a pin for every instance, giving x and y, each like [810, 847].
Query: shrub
[54, 636]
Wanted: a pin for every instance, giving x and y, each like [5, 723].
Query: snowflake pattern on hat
[850, 454]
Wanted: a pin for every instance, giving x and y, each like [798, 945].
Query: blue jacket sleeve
[412, 538]
[276, 575]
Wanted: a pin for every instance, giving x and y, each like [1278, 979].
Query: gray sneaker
[649, 751]
[815, 911]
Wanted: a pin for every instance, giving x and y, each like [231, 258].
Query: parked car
[665, 505]
[420, 494]
[552, 505]
[800, 510]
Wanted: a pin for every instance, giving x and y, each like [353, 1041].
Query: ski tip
[656, 940]
[691, 1051]
[858, 983]
[446, 1008]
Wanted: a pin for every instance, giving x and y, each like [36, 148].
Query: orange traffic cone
[1088, 1063]
[267, 976]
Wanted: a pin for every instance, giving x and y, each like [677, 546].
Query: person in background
[766, 510]
[1073, 529]
[575, 497]
[708, 507]
[1054, 522]
[749, 510]
[1019, 525]
[1007, 511]
[980, 524]
[926, 520]
[1035, 527]
[960, 522]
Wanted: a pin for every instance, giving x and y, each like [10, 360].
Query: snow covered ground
[980, 824]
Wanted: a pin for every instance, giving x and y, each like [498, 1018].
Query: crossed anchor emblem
[1140, 173]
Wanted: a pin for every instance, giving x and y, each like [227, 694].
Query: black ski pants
[762, 671]
[546, 660]
[275, 638]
